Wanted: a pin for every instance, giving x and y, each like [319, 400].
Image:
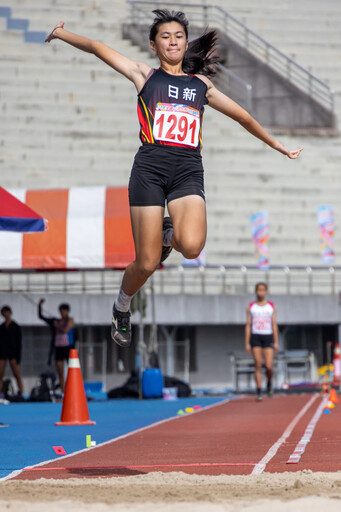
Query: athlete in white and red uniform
[261, 336]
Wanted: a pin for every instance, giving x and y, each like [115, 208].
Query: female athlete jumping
[261, 336]
[168, 165]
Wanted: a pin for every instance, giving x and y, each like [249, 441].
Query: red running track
[228, 438]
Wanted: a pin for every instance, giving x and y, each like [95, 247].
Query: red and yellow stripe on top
[144, 115]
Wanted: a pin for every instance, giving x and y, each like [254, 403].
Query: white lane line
[11, 475]
[124, 436]
[302, 444]
[259, 468]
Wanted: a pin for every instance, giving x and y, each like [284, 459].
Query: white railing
[209, 280]
[202, 14]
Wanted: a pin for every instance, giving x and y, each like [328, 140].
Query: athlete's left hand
[294, 154]
[290, 154]
[276, 347]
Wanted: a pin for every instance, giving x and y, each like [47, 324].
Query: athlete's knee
[147, 267]
[191, 249]
[258, 366]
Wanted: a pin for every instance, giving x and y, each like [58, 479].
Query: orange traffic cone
[337, 365]
[75, 408]
[333, 397]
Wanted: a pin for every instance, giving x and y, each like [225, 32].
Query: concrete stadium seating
[68, 119]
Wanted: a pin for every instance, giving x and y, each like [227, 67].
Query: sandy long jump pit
[302, 491]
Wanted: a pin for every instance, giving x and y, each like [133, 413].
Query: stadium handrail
[180, 279]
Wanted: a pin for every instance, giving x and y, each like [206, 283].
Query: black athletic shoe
[120, 327]
[167, 224]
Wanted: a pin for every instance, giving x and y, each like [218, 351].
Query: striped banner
[260, 235]
[325, 219]
[88, 227]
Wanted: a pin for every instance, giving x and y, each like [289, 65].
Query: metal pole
[287, 274]
[332, 276]
[244, 272]
[223, 279]
[187, 359]
[310, 279]
[203, 284]
[102, 281]
[182, 279]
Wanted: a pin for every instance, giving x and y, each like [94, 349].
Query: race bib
[61, 340]
[177, 123]
[262, 324]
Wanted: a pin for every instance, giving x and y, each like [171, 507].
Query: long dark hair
[200, 56]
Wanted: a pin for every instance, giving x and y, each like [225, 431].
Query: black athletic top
[10, 341]
[170, 109]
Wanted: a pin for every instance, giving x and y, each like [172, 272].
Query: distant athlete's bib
[261, 318]
[62, 340]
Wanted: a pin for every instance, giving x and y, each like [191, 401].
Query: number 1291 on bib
[177, 123]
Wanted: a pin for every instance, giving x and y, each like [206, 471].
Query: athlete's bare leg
[189, 234]
[257, 356]
[189, 225]
[147, 232]
[15, 367]
[268, 354]
[60, 371]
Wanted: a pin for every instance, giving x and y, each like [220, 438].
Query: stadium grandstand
[69, 123]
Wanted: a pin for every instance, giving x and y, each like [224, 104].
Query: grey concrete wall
[276, 101]
[93, 309]
[214, 346]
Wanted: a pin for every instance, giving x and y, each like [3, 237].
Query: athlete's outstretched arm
[230, 108]
[275, 329]
[134, 71]
[248, 331]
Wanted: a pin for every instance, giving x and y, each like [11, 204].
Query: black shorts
[163, 173]
[10, 352]
[262, 340]
[62, 353]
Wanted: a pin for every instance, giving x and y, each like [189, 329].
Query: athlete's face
[64, 313]
[6, 314]
[170, 42]
[261, 292]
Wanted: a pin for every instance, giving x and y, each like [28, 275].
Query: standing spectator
[62, 331]
[261, 336]
[10, 348]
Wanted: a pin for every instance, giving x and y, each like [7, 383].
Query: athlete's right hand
[51, 35]
[248, 349]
